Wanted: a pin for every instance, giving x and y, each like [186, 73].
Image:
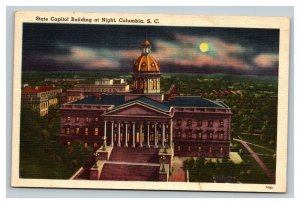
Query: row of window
[200, 149]
[87, 119]
[199, 134]
[86, 131]
[210, 123]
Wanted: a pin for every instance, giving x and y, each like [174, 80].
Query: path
[178, 174]
[131, 163]
[258, 160]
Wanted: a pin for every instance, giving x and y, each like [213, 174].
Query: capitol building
[143, 120]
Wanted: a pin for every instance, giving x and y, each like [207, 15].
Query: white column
[112, 134]
[104, 137]
[148, 135]
[155, 135]
[141, 135]
[133, 134]
[126, 132]
[119, 132]
[163, 135]
[171, 133]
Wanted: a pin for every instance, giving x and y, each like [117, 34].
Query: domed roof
[145, 63]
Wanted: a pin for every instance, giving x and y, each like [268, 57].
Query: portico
[138, 133]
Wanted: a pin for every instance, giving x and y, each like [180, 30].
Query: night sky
[69, 47]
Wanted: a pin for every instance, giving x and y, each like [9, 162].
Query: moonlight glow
[203, 47]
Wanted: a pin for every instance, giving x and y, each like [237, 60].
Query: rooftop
[115, 100]
[178, 101]
[38, 89]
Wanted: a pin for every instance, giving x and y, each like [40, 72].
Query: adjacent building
[105, 85]
[40, 97]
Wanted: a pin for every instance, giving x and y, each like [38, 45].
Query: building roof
[178, 101]
[38, 89]
[115, 100]
[194, 101]
[152, 103]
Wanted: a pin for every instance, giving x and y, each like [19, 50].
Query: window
[221, 123]
[221, 150]
[86, 131]
[199, 123]
[189, 148]
[199, 134]
[221, 135]
[96, 131]
[178, 133]
[77, 131]
[95, 145]
[178, 148]
[189, 134]
[210, 123]
[68, 119]
[178, 122]
[210, 135]
[96, 119]
[68, 131]
[68, 143]
[189, 122]
[199, 148]
[85, 145]
[210, 149]
[87, 119]
[77, 119]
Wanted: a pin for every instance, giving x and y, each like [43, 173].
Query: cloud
[88, 58]
[266, 60]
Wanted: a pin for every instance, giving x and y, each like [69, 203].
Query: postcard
[150, 101]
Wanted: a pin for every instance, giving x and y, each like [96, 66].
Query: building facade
[81, 91]
[40, 97]
[142, 118]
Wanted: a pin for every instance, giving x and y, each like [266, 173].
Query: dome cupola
[146, 72]
[145, 63]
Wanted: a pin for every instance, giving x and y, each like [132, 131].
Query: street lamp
[165, 146]
[96, 159]
[163, 158]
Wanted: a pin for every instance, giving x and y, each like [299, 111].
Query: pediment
[136, 109]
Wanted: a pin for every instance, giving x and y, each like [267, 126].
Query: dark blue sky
[63, 47]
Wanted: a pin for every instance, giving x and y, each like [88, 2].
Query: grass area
[246, 172]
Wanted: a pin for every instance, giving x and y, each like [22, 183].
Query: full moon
[203, 47]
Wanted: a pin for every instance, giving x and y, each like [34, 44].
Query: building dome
[146, 63]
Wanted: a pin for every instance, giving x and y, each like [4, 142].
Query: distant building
[58, 80]
[81, 91]
[187, 125]
[40, 97]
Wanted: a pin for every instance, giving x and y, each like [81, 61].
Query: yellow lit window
[67, 130]
[210, 150]
[200, 135]
[200, 149]
[96, 131]
[96, 119]
[189, 122]
[221, 150]
[86, 119]
[178, 148]
[77, 131]
[69, 143]
[221, 123]
[86, 131]
[221, 135]
[68, 119]
[77, 119]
